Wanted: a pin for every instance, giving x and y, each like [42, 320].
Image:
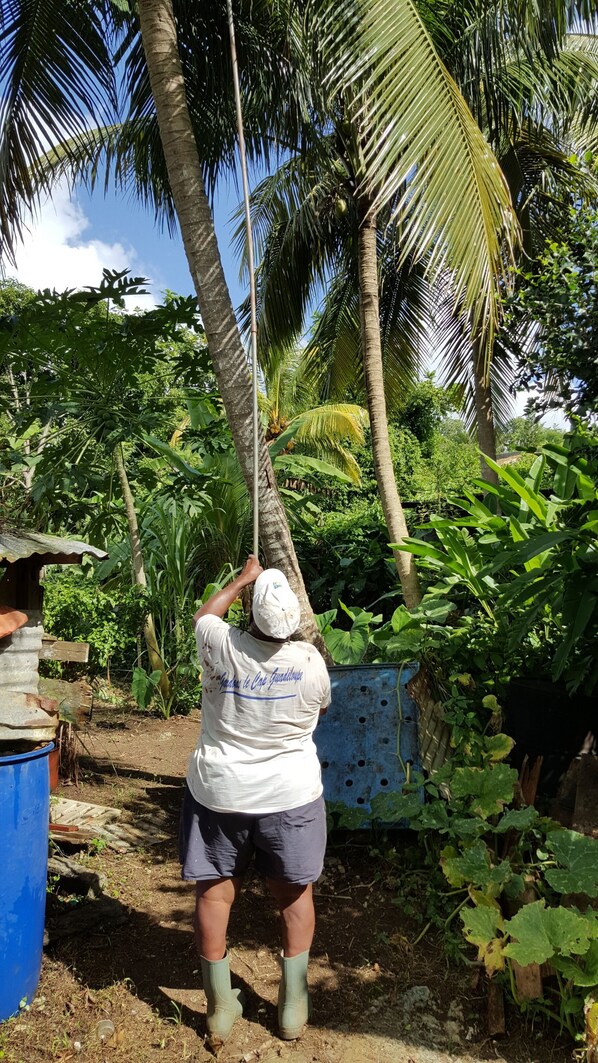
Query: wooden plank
[78, 822]
[71, 836]
[529, 778]
[81, 813]
[585, 814]
[528, 981]
[496, 1009]
[59, 650]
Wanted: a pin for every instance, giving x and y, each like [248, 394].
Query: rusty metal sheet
[74, 700]
[22, 717]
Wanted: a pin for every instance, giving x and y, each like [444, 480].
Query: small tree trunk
[374, 382]
[149, 630]
[484, 411]
[229, 358]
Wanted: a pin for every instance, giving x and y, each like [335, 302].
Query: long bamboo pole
[251, 267]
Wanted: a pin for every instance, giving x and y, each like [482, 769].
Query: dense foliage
[553, 318]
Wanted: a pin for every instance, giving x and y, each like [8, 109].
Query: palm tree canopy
[374, 62]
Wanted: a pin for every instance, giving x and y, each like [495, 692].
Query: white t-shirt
[259, 708]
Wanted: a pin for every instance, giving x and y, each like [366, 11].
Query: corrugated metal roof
[16, 545]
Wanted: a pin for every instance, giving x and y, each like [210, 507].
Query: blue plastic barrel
[24, 817]
[368, 741]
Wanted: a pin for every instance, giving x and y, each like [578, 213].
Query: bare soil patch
[377, 999]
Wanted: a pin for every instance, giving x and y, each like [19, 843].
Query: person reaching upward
[254, 787]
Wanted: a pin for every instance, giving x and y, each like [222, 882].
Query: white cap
[276, 609]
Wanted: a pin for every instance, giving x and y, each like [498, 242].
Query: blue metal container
[367, 742]
[24, 817]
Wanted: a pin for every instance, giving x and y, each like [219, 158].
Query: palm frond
[453, 355]
[332, 360]
[56, 73]
[299, 242]
[327, 424]
[322, 430]
[416, 131]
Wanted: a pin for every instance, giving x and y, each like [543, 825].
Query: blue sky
[77, 234]
[113, 219]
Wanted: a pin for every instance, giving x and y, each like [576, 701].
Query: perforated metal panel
[368, 737]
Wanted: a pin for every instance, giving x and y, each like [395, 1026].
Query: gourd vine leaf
[497, 746]
[470, 866]
[464, 827]
[579, 856]
[489, 790]
[582, 972]
[540, 933]
[434, 816]
[390, 808]
[480, 926]
[520, 819]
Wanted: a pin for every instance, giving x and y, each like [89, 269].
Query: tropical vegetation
[425, 235]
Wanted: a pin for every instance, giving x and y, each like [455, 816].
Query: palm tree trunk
[374, 383]
[149, 630]
[229, 358]
[484, 412]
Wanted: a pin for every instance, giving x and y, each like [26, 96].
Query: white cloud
[55, 254]
[551, 419]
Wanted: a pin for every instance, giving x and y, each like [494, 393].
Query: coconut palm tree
[530, 77]
[51, 77]
[308, 230]
[525, 81]
[412, 134]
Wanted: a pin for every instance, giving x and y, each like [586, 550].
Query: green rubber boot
[294, 1005]
[225, 1005]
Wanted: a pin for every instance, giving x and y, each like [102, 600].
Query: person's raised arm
[220, 602]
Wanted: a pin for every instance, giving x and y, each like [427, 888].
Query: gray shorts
[287, 845]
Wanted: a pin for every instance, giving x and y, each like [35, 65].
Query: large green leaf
[531, 500]
[540, 933]
[582, 972]
[143, 686]
[303, 466]
[349, 647]
[392, 808]
[487, 789]
[472, 867]
[175, 458]
[520, 819]
[578, 856]
[497, 746]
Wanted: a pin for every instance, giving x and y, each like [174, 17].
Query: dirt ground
[377, 999]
